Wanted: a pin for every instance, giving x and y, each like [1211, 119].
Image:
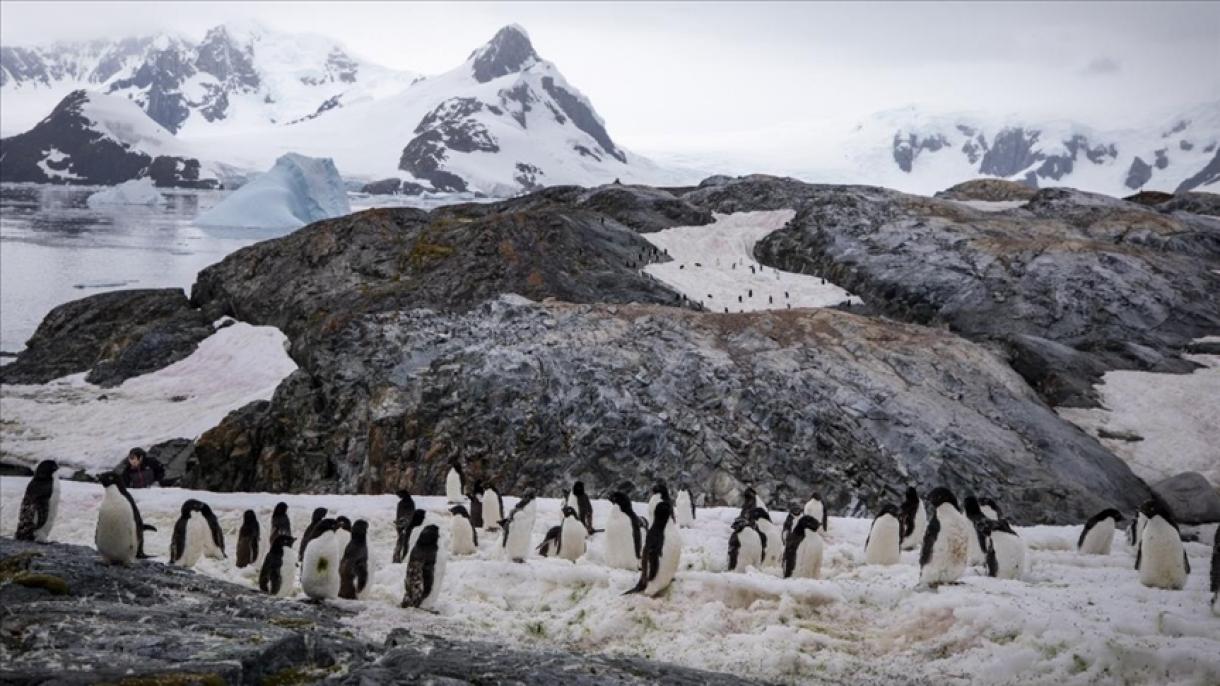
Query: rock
[1139, 173]
[991, 190]
[392, 186]
[1207, 176]
[113, 336]
[176, 455]
[1149, 198]
[1203, 347]
[1196, 202]
[643, 208]
[1191, 498]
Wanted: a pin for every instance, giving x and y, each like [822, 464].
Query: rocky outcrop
[1191, 498]
[1207, 176]
[643, 208]
[391, 186]
[113, 336]
[1139, 173]
[989, 190]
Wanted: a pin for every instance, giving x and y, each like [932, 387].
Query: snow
[297, 191]
[714, 265]
[85, 426]
[124, 121]
[1072, 620]
[133, 192]
[1177, 417]
[56, 155]
[992, 205]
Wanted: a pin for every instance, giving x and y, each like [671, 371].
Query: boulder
[1191, 498]
[990, 190]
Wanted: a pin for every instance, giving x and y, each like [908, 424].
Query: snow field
[1072, 620]
[714, 265]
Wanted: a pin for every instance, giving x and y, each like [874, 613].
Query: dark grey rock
[990, 190]
[508, 52]
[1207, 176]
[906, 149]
[1011, 152]
[582, 116]
[1139, 173]
[161, 76]
[643, 208]
[1191, 498]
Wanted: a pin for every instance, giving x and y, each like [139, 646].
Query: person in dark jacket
[139, 470]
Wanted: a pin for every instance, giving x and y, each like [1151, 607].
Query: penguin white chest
[882, 546]
[438, 577]
[288, 572]
[1008, 556]
[1099, 538]
[463, 537]
[809, 557]
[572, 537]
[915, 539]
[815, 509]
[950, 549]
[519, 530]
[773, 549]
[198, 537]
[749, 550]
[42, 532]
[320, 570]
[115, 535]
[491, 511]
[671, 557]
[620, 541]
[1162, 561]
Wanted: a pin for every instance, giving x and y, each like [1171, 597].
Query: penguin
[476, 506]
[624, 534]
[425, 570]
[343, 532]
[279, 569]
[247, 540]
[407, 535]
[914, 520]
[660, 494]
[772, 550]
[1098, 533]
[661, 555]
[403, 516]
[749, 501]
[882, 545]
[990, 509]
[141, 527]
[454, 482]
[1135, 528]
[946, 542]
[186, 545]
[354, 567]
[320, 570]
[306, 537]
[493, 509]
[1216, 574]
[746, 545]
[573, 535]
[579, 501]
[1005, 551]
[550, 541]
[1160, 557]
[214, 541]
[789, 521]
[684, 508]
[803, 549]
[117, 534]
[465, 539]
[517, 528]
[40, 504]
[978, 544]
[816, 509]
[281, 525]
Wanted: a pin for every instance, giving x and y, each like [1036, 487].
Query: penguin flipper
[149, 527]
[929, 540]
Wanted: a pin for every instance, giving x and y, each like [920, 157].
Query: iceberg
[298, 190]
[133, 192]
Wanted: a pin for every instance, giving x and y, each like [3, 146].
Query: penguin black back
[803, 525]
[654, 542]
[620, 499]
[177, 542]
[584, 508]
[421, 567]
[910, 506]
[1108, 513]
[939, 496]
[310, 531]
[354, 565]
[476, 506]
[36, 503]
[281, 525]
[247, 539]
[404, 535]
[218, 535]
[269, 580]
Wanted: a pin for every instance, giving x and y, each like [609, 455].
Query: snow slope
[297, 191]
[134, 192]
[1073, 620]
[85, 426]
[714, 265]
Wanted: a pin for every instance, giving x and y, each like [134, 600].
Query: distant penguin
[579, 501]
[465, 538]
[403, 516]
[343, 532]
[990, 509]
[660, 494]
[946, 543]
[214, 542]
[815, 508]
[455, 482]
[1160, 558]
[116, 536]
[320, 569]
[661, 555]
[803, 549]
[517, 529]
[493, 509]
[190, 535]
[408, 534]
[318, 514]
[914, 520]
[624, 534]
[1098, 533]
[977, 547]
[749, 501]
[247, 540]
[684, 508]
[476, 506]
[281, 525]
[882, 545]
[772, 547]
[746, 545]
[425, 570]
[354, 565]
[1005, 551]
[279, 568]
[40, 504]
[1216, 574]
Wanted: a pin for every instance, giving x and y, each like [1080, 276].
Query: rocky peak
[509, 51]
[226, 59]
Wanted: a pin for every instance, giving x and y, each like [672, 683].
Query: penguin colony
[333, 558]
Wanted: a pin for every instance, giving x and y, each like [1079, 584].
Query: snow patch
[56, 155]
[297, 191]
[133, 192]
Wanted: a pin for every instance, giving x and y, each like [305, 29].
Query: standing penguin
[517, 528]
[772, 548]
[624, 533]
[465, 538]
[40, 504]
[455, 482]
[751, 500]
[279, 568]
[1160, 558]
[579, 501]
[946, 543]
[914, 520]
[815, 508]
[684, 508]
[573, 535]
[493, 509]
[141, 527]
[214, 542]
[803, 549]
[746, 545]
[1005, 550]
[978, 545]
[1136, 528]
[247, 540]
[882, 545]
[318, 514]
[425, 570]
[1098, 533]
[320, 570]
[343, 532]
[1216, 574]
[407, 535]
[662, 553]
[354, 567]
[476, 505]
[191, 531]
[281, 525]
[660, 494]
[118, 522]
[403, 516]
[990, 509]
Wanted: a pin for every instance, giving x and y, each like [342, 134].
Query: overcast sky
[679, 74]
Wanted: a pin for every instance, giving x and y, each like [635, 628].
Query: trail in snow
[1073, 620]
[81, 425]
[714, 265]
